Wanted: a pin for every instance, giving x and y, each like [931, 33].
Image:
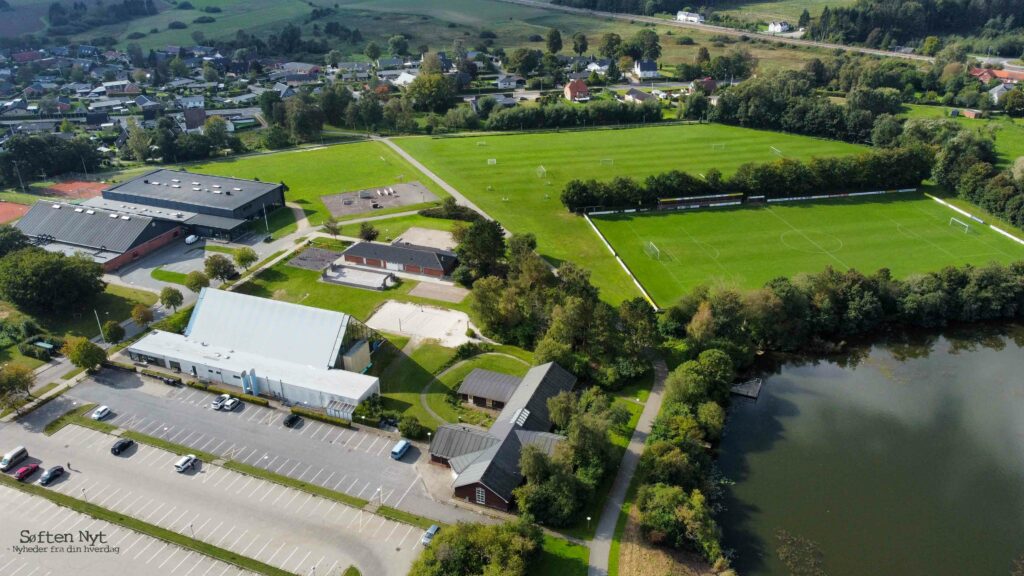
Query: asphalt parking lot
[283, 527]
[354, 462]
[113, 548]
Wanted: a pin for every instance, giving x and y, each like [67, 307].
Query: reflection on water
[901, 458]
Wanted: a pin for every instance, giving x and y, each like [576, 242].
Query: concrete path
[601, 545]
[426, 389]
[301, 221]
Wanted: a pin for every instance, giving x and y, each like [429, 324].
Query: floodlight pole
[100, 326]
[265, 220]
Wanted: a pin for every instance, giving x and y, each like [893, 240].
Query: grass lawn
[746, 247]
[313, 173]
[394, 227]
[402, 381]
[1008, 132]
[767, 10]
[560, 557]
[162, 275]
[114, 303]
[524, 202]
[439, 389]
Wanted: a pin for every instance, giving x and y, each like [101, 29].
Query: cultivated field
[746, 247]
[526, 199]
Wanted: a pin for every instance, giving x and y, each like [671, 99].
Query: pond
[903, 458]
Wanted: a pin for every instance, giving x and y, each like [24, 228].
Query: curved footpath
[601, 545]
[426, 389]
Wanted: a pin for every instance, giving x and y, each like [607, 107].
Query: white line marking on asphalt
[271, 559]
[237, 478]
[303, 561]
[395, 505]
[400, 544]
[145, 548]
[208, 442]
[370, 447]
[360, 495]
[392, 533]
[237, 540]
[354, 480]
[155, 554]
[271, 463]
[293, 469]
[176, 520]
[187, 556]
[257, 555]
[214, 531]
[304, 502]
[217, 447]
[272, 486]
[313, 479]
[244, 486]
[118, 503]
[255, 489]
[288, 504]
[331, 569]
[283, 492]
[285, 563]
[365, 436]
[225, 537]
[154, 512]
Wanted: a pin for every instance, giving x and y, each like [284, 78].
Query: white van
[191, 239]
[185, 463]
[13, 457]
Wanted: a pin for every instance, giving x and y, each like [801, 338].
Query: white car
[428, 536]
[191, 239]
[219, 401]
[231, 404]
[101, 413]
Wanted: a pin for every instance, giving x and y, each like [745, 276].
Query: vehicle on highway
[400, 449]
[219, 401]
[428, 536]
[101, 413]
[13, 457]
[191, 239]
[50, 475]
[231, 404]
[121, 445]
[187, 462]
[25, 471]
[292, 420]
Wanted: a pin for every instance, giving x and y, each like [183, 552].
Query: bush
[218, 390]
[449, 210]
[167, 378]
[119, 366]
[410, 427]
[204, 20]
[684, 41]
[177, 25]
[185, 5]
[136, 35]
[212, 9]
[535, 38]
[320, 416]
[176, 322]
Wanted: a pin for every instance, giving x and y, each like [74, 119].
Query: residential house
[194, 101]
[404, 79]
[121, 88]
[300, 68]
[577, 91]
[390, 63]
[986, 75]
[488, 389]
[691, 17]
[638, 96]
[402, 257]
[284, 90]
[194, 119]
[508, 82]
[999, 92]
[778, 27]
[645, 69]
[706, 84]
[599, 66]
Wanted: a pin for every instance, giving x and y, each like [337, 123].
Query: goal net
[608, 161]
[492, 161]
[718, 147]
[652, 250]
[956, 222]
[775, 150]
[541, 171]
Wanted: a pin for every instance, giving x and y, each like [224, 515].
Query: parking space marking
[407, 532]
[217, 447]
[285, 563]
[233, 482]
[365, 436]
[304, 502]
[237, 540]
[304, 472]
[246, 485]
[187, 556]
[282, 465]
[212, 473]
[383, 449]
[208, 442]
[225, 537]
[155, 554]
[154, 512]
[122, 499]
[176, 520]
[178, 433]
[271, 559]
[292, 498]
[268, 493]
[257, 554]
[354, 480]
[331, 569]
[256, 489]
[327, 482]
[370, 447]
[340, 432]
[293, 469]
[144, 549]
[186, 439]
[392, 533]
[301, 562]
[360, 495]
[214, 531]
[168, 559]
[283, 492]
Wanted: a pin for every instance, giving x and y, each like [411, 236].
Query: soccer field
[521, 189]
[746, 247]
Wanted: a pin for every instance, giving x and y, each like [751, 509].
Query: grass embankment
[146, 528]
[29, 398]
[439, 389]
[512, 192]
[560, 557]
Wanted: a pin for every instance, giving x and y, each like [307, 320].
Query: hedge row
[320, 416]
[218, 390]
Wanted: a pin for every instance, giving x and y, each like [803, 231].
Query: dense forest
[80, 16]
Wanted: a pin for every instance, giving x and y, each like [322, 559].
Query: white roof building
[299, 354]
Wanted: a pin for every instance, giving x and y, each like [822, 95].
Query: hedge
[118, 365]
[317, 415]
[218, 390]
[161, 375]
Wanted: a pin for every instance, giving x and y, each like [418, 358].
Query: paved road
[355, 462]
[280, 526]
[600, 546]
[717, 29]
[129, 552]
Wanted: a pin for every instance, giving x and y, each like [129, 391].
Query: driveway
[354, 462]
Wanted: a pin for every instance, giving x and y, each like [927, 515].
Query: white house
[645, 69]
[599, 66]
[298, 354]
[691, 17]
[778, 27]
[404, 79]
[999, 92]
[507, 82]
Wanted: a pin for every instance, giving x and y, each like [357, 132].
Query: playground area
[379, 198]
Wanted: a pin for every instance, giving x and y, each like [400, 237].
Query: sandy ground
[443, 292]
[427, 237]
[447, 326]
[10, 211]
[77, 189]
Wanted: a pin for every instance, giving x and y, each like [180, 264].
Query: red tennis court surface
[11, 211]
[76, 189]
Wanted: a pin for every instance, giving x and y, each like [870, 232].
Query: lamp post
[100, 326]
[588, 522]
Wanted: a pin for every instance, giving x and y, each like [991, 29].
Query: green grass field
[512, 192]
[746, 247]
[1008, 132]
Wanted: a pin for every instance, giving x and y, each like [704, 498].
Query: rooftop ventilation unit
[57, 206]
[114, 216]
[195, 183]
[78, 209]
[196, 189]
[216, 191]
[155, 183]
[90, 211]
[237, 189]
[175, 185]
[175, 180]
[126, 217]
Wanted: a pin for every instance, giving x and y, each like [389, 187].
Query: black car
[292, 420]
[121, 445]
[50, 475]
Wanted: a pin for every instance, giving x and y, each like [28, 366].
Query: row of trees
[481, 549]
[520, 300]
[879, 169]
[564, 115]
[166, 143]
[28, 157]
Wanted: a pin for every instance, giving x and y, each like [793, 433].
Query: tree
[11, 239]
[304, 118]
[83, 353]
[481, 246]
[398, 45]
[1013, 103]
[553, 41]
[333, 58]
[409, 426]
[805, 19]
[245, 257]
[468, 549]
[647, 44]
[268, 100]
[41, 281]
[579, 43]
[611, 44]
[113, 332]
[331, 226]
[142, 315]
[368, 232]
[218, 266]
[216, 130]
[431, 93]
[210, 73]
[196, 281]
[372, 51]
[15, 382]
[139, 141]
[931, 45]
[178, 67]
[170, 297]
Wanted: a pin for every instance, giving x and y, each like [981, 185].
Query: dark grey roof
[528, 407]
[453, 440]
[160, 184]
[499, 469]
[488, 384]
[407, 254]
[218, 222]
[647, 65]
[89, 227]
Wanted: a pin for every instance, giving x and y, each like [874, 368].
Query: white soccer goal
[775, 150]
[652, 250]
[718, 147]
[608, 161]
[541, 171]
[481, 143]
[957, 222]
[492, 161]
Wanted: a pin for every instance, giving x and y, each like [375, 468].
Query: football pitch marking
[801, 232]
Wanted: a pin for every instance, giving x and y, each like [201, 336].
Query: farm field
[1008, 132]
[746, 247]
[767, 10]
[513, 192]
[316, 172]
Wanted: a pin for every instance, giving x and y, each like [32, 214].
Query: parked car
[12, 458]
[191, 239]
[101, 413]
[428, 536]
[187, 462]
[219, 401]
[400, 449]
[231, 404]
[26, 471]
[50, 475]
[292, 420]
[121, 445]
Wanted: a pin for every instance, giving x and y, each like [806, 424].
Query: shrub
[204, 20]
[212, 9]
[410, 427]
[218, 390]
[185, 5]
[136, 35]
[177, 25]
[320, 416]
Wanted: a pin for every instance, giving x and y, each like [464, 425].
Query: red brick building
[402, 257]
